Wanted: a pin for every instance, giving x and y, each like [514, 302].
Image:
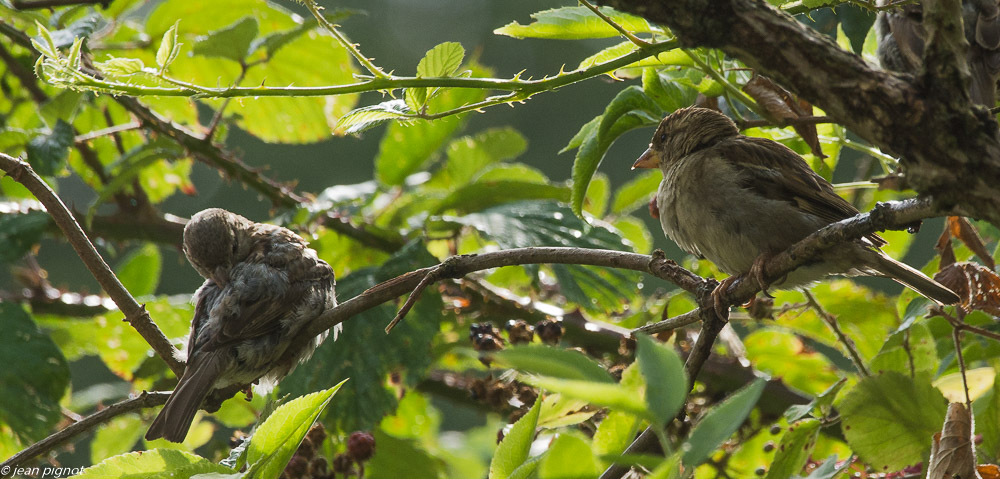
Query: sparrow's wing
[257, 299]
[260, 295]
[774, 171]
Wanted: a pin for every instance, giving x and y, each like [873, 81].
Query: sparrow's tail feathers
[915, 280]
[198, 380]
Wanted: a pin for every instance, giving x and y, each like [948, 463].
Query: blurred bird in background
[901, 37]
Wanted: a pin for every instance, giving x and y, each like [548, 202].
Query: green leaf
[777, 352]
[908, 351]
[273, 42]
[34, 377]
[554, 362]
[63, 106]
[275, 441]
[615, 433]
[545, 223]
[666, 381]
[302, 60]
[396, 457]
[154, 463]
[441, 61]
[404, 150]
[596, 200]
[630, 109]
[668, 58]
[794, 449]
[569, 457]
[887, 419]
[121, 66]
[132, 164]
[830, 468]
[117, 436]
[169, 48]
[368, 117]
[559, 412]
[720, 422]
[637, 192]
[614, 396]
[139, 271]
[574, 23]
[663, 87]
[47, 152]
[484, 194]
[19, 233]
[991, 415]
[116, 342]
[512, 451]
[823, 401]
[407, 351]
[232, 42]
[635, 232]
[469, 157]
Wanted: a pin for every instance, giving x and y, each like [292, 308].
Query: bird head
[215, 240]
[684, 132]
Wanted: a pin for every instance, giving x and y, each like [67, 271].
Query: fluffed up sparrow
[737, 200]
[263, 286]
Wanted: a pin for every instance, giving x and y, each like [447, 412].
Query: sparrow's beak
[649, 159]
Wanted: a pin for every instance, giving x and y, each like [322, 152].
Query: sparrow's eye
[663, 137]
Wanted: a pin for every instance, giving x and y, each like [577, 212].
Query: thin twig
[831, 321]
[144, 400]
[964, 326]
[429, 278]
[111, 130]
[625, 33]
[675, 322]
[956, 337]
[135, 314]
[351, 47]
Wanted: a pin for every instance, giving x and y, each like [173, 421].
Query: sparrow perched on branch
[263, 286]
[737, 201]
[901, 38]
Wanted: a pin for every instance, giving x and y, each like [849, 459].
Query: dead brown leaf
[977, 285]
[963, 230]
[988, 471]
[782, 106]
[952, 454]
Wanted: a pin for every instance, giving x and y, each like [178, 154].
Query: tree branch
[135, 314]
